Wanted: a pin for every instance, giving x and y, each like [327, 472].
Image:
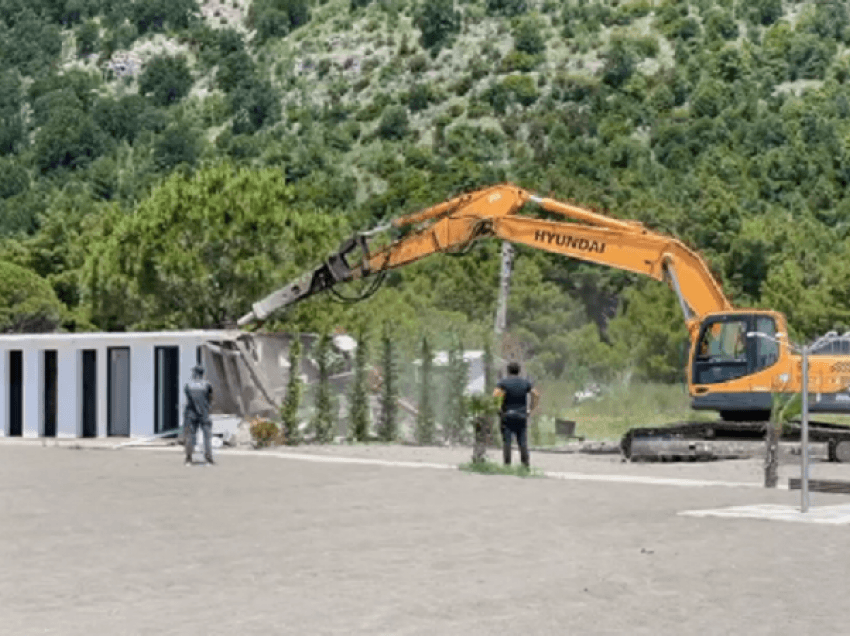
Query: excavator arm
[454, 225]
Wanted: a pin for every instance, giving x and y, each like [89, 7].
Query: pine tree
[489, 386]
[388, 426]
[289, 408]
[425, 422]
[358, 408]
[456, 380]
[323, 423]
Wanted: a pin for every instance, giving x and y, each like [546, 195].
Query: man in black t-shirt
[514, 392]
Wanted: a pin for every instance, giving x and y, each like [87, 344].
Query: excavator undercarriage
[722, 439]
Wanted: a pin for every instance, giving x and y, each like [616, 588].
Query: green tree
[358, 407]
[175, 146]
[201, 247]
[120, 117]
[528, 35]
[29, 304]
[156, 15]
[438, 21]
[764, 12]
[394, 123]
[650, 333]
[456, 377]
[88, 36]
[233, 70]
[254, 104]
[323, 423]
[69, 139]
[292, 402]
[12, 132]
[14, 178]
[426, 426]
[508, 8]
[31, 44]
[619, 63]
[276, 18]
[166, 78]
[709, 98]
[388, 425]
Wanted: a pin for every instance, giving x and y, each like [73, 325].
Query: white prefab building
[96, 384]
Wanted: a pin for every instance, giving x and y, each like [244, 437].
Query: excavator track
[723, 439]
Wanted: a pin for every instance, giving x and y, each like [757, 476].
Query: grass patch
[492, 468]
[619, 408]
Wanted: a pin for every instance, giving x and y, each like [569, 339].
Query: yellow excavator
[739, 358]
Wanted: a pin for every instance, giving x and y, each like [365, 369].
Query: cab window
[767, 349]
[724, 341]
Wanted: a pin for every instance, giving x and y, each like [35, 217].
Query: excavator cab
[731, 349]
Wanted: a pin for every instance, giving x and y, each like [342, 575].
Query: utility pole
[504, 289]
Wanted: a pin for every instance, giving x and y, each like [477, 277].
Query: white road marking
[627, 479]
[602, 478]
[656, 481]
[829, 515]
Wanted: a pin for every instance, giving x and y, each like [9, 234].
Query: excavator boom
[492, 213]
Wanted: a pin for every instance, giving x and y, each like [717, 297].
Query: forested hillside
[164, 163]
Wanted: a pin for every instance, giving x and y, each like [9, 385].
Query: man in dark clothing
[197, 414]
[514, 392]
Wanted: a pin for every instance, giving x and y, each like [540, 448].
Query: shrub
[233, 70]
[425, 431]
[438, 21]
[388, 424]
[156, 15]
[720, 24]
[292, 401]
[508, 8]
[462, 86]
[167, 78]
[764, 12]
[420, 96]
[518, 61]
[264, 432]
[418, 64]
[358, 407]
[522, 87]
[528, 36]
[324, 417]
[87, 38]
[394, 123]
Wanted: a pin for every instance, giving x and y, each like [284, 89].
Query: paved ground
[131, 542]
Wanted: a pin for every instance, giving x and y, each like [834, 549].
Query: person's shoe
[210, 461]
[187, 462]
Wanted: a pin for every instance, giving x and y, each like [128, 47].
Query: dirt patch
[130, 541]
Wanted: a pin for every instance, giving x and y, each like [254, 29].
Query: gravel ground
[131, 542]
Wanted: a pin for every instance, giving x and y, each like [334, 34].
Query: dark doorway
[167, 383]
[50, 397]
[16, 393]
[118, 391]
[89, 410]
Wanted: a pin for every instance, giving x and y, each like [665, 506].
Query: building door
[49, 397]
[167, 393]
[16, 393]
[118, 391]
[89, 410]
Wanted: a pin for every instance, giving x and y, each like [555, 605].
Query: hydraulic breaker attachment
[335, 270]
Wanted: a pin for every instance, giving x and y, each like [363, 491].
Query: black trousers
[515, 426]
